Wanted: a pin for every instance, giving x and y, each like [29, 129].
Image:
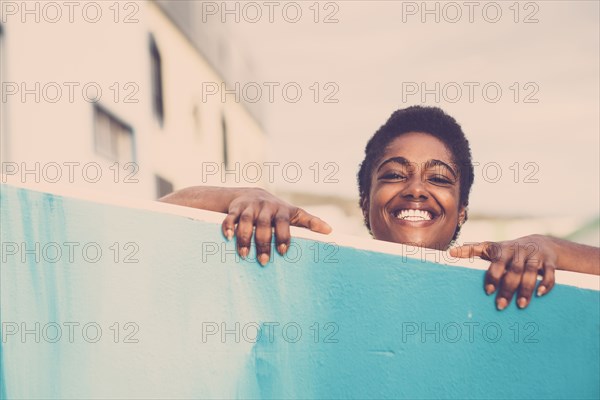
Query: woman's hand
[515, 265]
[259, 208]
[249, 208]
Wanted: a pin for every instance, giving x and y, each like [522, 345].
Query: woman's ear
[462, 215]
[364, 205]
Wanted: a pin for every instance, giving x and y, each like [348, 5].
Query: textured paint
[366, 305]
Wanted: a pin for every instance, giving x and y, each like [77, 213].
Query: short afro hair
[431, 120]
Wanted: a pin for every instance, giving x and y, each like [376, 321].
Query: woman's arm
[246, 209]
[576, 257]
[211, 198]
[515, 264]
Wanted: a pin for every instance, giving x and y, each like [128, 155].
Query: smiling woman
[415, 180]
[414, 194]
[414, 186]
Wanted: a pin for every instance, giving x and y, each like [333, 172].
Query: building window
[4, 151]
[197, 122]
[3, 117]
[224, 133]
[157, 86]
[163, 186]
[112, 137]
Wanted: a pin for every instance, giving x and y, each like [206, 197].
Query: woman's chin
[417, 240]
[412, 234]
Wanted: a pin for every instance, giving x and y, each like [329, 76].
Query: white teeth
[414, 215]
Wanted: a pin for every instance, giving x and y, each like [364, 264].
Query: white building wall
[52, 128]
[196, 136]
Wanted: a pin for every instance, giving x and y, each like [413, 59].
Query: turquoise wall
[331, 321]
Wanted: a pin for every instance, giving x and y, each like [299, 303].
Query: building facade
[119, 97]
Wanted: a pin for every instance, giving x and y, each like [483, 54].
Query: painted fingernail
[541, 290]
[229, 234]
[501, 303]
[263, 259]
[282, 248]
[522, 302]
[243, 252]
[489, 289]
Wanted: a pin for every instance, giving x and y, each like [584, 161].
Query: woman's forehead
[417, 147]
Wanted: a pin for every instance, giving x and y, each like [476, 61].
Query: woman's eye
[392, 176]
[440, 180]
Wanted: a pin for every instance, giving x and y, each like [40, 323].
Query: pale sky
[373, 57]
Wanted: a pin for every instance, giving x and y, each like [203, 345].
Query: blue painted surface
[370, 311]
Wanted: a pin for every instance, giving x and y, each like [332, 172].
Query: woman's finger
[244, 230]
[528, 282]
[511, 279]
[263, 235]
[228, 225]
[493, 276]
[282, 231]
[305, 220]
[487, 250]
[547, 282]
[467, 250]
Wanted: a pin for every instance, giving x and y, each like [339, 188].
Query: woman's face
[415, 193]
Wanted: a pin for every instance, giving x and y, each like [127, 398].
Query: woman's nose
[414, 189]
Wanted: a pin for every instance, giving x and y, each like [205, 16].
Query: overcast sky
[378, 51]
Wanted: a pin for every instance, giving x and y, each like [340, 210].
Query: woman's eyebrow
[429, 164]
[439, 163]
[399, 160]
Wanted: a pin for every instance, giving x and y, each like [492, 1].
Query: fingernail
[282, 248]
[501, 303]
[243, 252]
[541, 290]
[263, 259]
[522, 302]
[489, 289]
[229, 234]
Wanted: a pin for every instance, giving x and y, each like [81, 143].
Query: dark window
[3, 116]
[112, 137]
[163, 186]
[157, 86]
[224, 131]
[197, 122]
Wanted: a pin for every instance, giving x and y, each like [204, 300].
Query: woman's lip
[414, 224]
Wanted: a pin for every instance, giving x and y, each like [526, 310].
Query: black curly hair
[431, 120]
